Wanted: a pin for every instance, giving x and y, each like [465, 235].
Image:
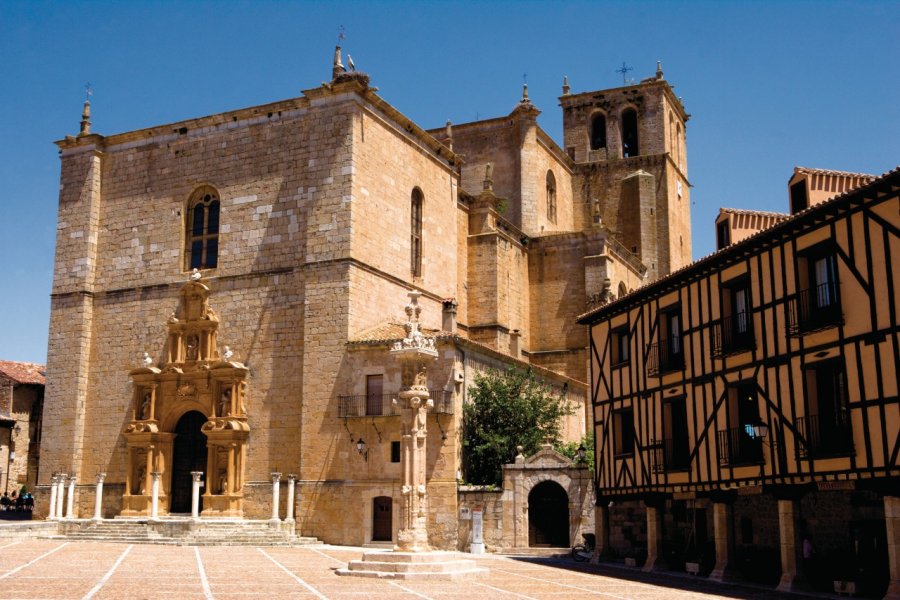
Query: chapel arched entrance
[548, 516]
[188, 454]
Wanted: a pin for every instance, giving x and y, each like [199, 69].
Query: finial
[148, 362]
[350, 64]
[488, 180]
[228, 353]
[565, 85]
[525, 89]
[86, 111]
[659, 73]
[449, 132]
[196, 275]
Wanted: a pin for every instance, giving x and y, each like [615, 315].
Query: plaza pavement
[33, 569]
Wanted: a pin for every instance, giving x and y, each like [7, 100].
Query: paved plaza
[34, 569]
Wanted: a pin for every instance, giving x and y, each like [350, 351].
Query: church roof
[23, 372]
[747, 211]
[388, 332]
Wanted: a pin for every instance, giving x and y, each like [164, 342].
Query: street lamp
[580, 453]
[361, 449]
[760, 431]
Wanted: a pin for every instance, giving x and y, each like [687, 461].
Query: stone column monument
[414, 353]
[411, 558]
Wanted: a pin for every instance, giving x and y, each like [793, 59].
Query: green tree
[570, 449]
[504, 410]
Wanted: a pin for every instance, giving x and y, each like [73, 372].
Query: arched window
[598, 132]
[416, 232]
[551, 197]
[679, 141]
[630, 133]
[202, 234]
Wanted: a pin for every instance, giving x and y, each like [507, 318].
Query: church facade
[259, 261]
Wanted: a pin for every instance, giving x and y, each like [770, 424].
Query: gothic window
[202, 235]
[551, 197]
[598, 132]
[416, 232]
[679, 144]
[630, 133]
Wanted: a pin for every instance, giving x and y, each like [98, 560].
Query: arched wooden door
[548, 516]
[188, 454]
[382, 519]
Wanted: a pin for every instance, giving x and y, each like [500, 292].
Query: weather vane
[624, 71]
[341, 35]
[88, 91]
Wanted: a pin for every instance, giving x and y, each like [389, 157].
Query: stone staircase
[180, 532]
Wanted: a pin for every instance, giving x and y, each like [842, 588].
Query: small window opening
[202, 237]
[630, 133]
[416, 233]
[551, 197]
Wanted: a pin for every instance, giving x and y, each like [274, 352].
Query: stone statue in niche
[224, 407]
[420, 381]
[145, 405]
[192, 347]
[138, 486]
[223, 481]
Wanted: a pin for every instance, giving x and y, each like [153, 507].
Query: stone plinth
[413, 565]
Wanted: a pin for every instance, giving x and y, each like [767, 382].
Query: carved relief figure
[145, 405]
[224, 407]
[421, 380]
[192, 346]
[223, 481]
[138, 486]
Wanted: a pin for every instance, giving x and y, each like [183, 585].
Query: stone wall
[490, 501]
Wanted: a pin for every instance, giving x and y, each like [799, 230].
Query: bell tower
[628, 144]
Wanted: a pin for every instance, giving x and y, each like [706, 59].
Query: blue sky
[769, 85]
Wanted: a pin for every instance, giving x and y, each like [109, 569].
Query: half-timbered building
[746, 407]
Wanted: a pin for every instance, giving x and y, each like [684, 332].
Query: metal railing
[733, 334]
[381, 405]
[737, 447]
[822, 437]
[665, 355]
[670, 455]
[815, 308]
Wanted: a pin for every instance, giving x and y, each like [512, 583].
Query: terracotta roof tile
[388, 332]
[23, 372]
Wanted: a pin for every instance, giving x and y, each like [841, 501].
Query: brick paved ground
[35, 569]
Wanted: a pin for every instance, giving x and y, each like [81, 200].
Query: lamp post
[580, 454]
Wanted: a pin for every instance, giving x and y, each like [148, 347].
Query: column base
[726, 575]
[792, 582]
[650, 564]
[476, 548]
[893, 591]
[273, 522]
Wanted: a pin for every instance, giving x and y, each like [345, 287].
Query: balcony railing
[381, 405]
[738, 447]
[733, 334]
[815, 308]
[664, 356]
[823, 437]
[670, 455]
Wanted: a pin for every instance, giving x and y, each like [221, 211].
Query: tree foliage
[570, 449]
[506, 409]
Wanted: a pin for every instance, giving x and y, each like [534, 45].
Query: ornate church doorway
[548, 516]
[188, 454]
[382, 522]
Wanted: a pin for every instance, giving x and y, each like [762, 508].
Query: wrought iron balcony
[738, 447]
[815, 308]
[670, 455]
[822, 437]
[381, 405]
[733, 334]
[664, 356]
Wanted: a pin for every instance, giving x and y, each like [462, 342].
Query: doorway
[188, 454]
[548, 516]
[382, 519]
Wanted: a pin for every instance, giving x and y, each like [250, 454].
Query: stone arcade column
[792, 578]
[724, 538]
[154, 495]
[51, 510]
[195, 494]
[290, 499]
[655, 508]
[98, 498]
[601, 531]
[60, 494]
[892, 524]
[71, 500]
[276, 485]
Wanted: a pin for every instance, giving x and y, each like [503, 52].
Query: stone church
[227, 290]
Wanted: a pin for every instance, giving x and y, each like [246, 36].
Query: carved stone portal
[193, 377]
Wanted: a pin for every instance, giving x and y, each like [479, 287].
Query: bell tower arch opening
[189, 453]
[548, 516]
